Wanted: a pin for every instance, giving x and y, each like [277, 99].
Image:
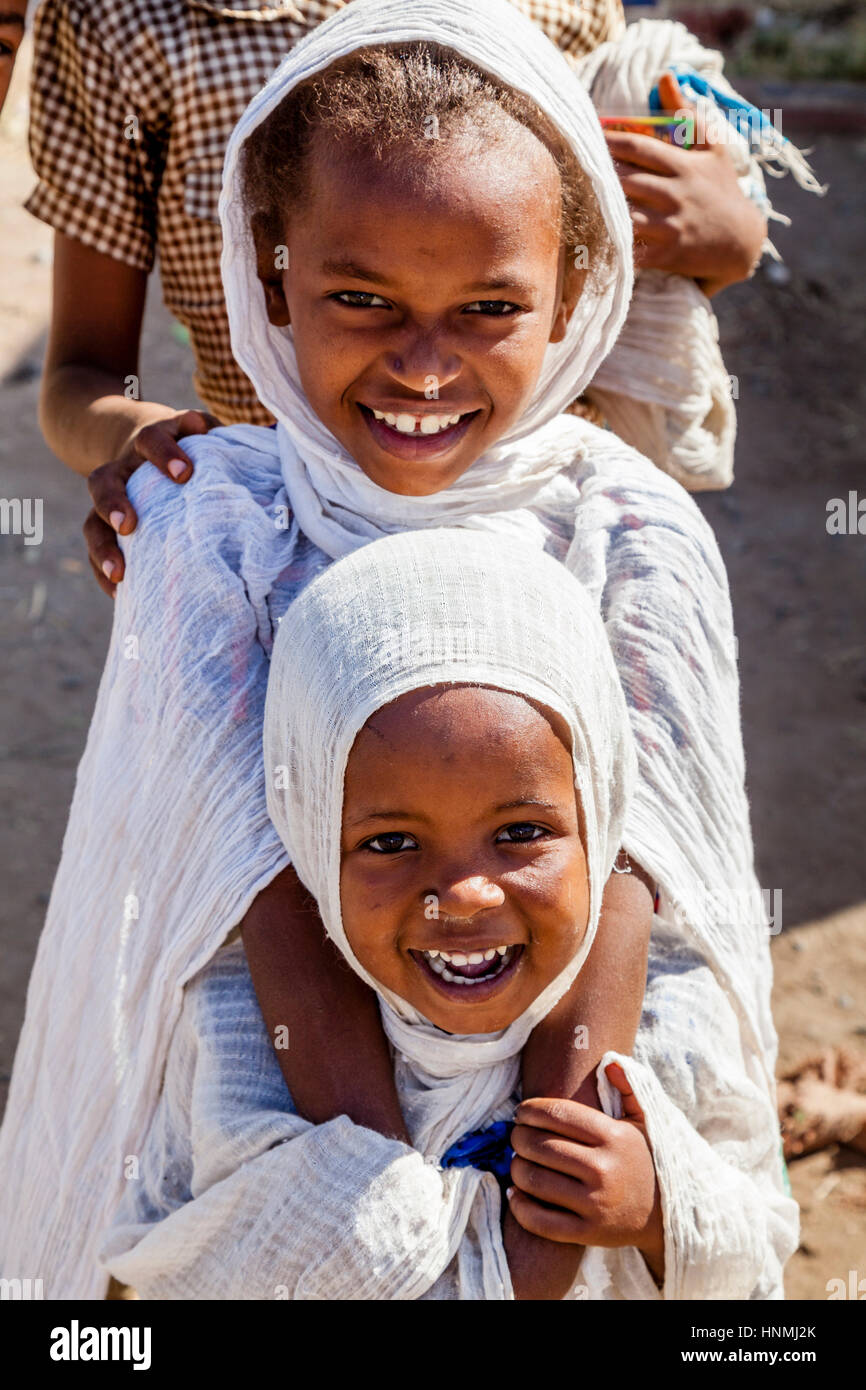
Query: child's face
[423, 298]
[461, 835]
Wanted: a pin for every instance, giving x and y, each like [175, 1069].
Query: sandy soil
[799, 594]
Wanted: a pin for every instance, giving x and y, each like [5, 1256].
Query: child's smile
[463, 884]
[420, 434]
[422, 294]
[484, 971]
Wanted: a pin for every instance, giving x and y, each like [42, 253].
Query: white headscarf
[336, 504]
[420, 609]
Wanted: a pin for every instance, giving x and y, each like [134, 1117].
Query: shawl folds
[169, 839]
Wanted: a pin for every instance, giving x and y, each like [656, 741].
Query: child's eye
[391, 843]
[360, 299]
[497, 308]
[521, 833]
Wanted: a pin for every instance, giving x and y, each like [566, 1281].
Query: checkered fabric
[132, 105]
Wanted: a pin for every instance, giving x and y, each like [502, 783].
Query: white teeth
[437, 962]
[410, 424]
[475, 958]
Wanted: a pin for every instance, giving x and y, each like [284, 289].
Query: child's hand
[583, 1178]
[689, 215]
[112, 511]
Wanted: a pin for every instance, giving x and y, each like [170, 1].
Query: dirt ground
[795, 342]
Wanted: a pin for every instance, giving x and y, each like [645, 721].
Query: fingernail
[177, 468]
[107, 568]
[117, 519]
[509, 1192]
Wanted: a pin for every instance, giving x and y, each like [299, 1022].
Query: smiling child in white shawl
[239, 1197]
[175, 745]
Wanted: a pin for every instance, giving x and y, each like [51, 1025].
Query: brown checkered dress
[132, 105]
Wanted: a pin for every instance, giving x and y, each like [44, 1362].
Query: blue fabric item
[488, 1149]
[748, 119]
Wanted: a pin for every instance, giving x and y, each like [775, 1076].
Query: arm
[337, 1061]
[584, 1179]
[93, 345]
[606, 1000]
[103, 207]
[711, 1121]
[86, 417]
[691, 1185]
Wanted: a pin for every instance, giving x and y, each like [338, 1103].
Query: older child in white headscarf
[463, 305]
[434, 744]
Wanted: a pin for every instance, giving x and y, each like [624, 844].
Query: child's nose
[423, 362]
[464, 897]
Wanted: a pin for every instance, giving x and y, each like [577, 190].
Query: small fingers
[195, 422]
[103, 551]
[158, 445]
[549, 1150]
[567, 1118]
[545, 1185]
[548, 1222]
[651, 227]
[105, 584]
[648, 190]
[631, 1107]
[645, 152]
[107, 488]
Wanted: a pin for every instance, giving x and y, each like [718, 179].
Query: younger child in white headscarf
[452, 782]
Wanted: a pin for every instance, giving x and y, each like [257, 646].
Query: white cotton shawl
[416, 610]
[169, 839]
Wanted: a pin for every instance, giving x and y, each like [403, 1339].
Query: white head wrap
[336, 504]
[421, 609]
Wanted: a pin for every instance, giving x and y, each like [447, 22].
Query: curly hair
[391, 101]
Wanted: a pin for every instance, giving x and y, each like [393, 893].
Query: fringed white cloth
[148, 890]
[664, 388]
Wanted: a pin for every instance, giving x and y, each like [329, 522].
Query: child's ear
[573, 281]
[269, 254]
